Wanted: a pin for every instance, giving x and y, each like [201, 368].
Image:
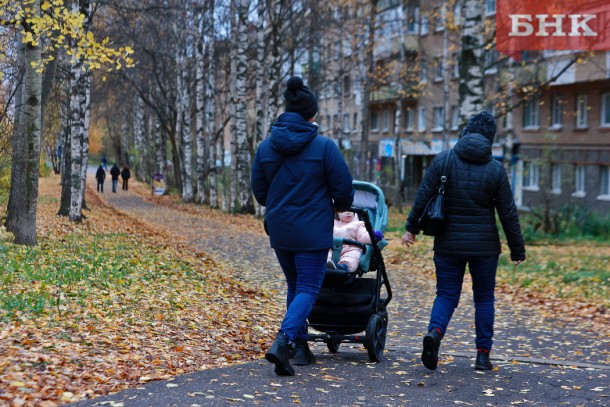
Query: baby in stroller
[348, 226]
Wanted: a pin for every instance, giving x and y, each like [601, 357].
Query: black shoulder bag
[432, 220]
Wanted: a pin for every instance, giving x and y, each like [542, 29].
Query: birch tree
[240, 183]
[366, 94]
[210, 135]
[471, 100]
[79, 106]
[26, 145]
[200, 145]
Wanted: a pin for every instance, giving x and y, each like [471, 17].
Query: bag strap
[441, 187]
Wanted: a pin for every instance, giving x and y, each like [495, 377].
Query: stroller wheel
[333, 346]
[375, 337]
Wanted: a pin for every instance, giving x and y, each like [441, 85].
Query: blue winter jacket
[298, 175]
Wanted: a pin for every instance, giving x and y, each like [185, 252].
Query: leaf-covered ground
[157, 288]
[112, 303]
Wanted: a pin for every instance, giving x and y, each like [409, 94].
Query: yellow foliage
[57, 23]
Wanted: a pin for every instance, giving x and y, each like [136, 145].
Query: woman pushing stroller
[296, 168]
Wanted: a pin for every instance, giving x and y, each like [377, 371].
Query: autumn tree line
[168, 81]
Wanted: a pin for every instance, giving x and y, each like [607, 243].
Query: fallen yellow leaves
[124, 305]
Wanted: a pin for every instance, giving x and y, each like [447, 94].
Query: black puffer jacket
[476, 186]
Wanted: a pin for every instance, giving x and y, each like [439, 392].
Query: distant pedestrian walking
[125, 174]
[100, 176]
[476, 188]
[291, 178]
[104, 162]
[114, 173]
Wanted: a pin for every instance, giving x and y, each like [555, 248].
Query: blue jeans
[449, 277]
[304, 273]
[114, 183]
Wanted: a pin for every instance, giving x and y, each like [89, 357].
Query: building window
[557, 112]
[457, 13]
[409, 120]
[438, 69]
[346, 122]
[424, 25]
[424, 71]
[531, 114]
[347, 85]
[490, 7]
[412, 18]
[421, 119]
[531, 174]
[579, 181]
[438, 119]
[556, 179]
[336, 123]
[439, 19]
[374, 121]
[605, 109]
[386, 120]
[456, 65]
[582, 112]
[356, 124]
[605, 182]
[328, 124]
[455, 117]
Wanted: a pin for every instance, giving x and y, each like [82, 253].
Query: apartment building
[555, 142]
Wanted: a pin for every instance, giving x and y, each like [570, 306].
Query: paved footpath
[540, 362]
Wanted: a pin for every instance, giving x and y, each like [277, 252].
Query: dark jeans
[304, 273]
[100, 187]
[125, 184]
[114, 183]
[449, 277]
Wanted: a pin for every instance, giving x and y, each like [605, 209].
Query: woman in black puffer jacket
[477, 186]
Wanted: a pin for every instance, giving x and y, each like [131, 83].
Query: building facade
[553, 108]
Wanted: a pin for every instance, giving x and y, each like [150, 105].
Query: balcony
[386, 47]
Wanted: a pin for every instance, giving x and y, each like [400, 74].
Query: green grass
[574, 267]
[58, 274]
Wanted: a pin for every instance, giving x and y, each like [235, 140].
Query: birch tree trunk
[200, 145]
[365, 167]
[79, 117]
[470, 66]
[275, 67]
[244, 203]
[86, 106]
[77, 124]
[26, 149]
[66, 162]
[211, 139]
[159, 149]
[18, 140]
[187, 138]
[139, 138]
[262, 82]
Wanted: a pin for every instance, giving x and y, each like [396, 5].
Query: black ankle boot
[303, 356]
[483, 362]
[278, 354]
[432, 342]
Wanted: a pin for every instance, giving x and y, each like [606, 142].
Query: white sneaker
[331, 265]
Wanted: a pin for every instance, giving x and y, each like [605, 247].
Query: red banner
[549, 25]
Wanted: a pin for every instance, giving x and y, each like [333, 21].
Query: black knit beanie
[300, 99]
[482, 123]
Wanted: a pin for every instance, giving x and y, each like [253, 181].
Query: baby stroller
[351, 302]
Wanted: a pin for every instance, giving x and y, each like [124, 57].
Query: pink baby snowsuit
[349, 227]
